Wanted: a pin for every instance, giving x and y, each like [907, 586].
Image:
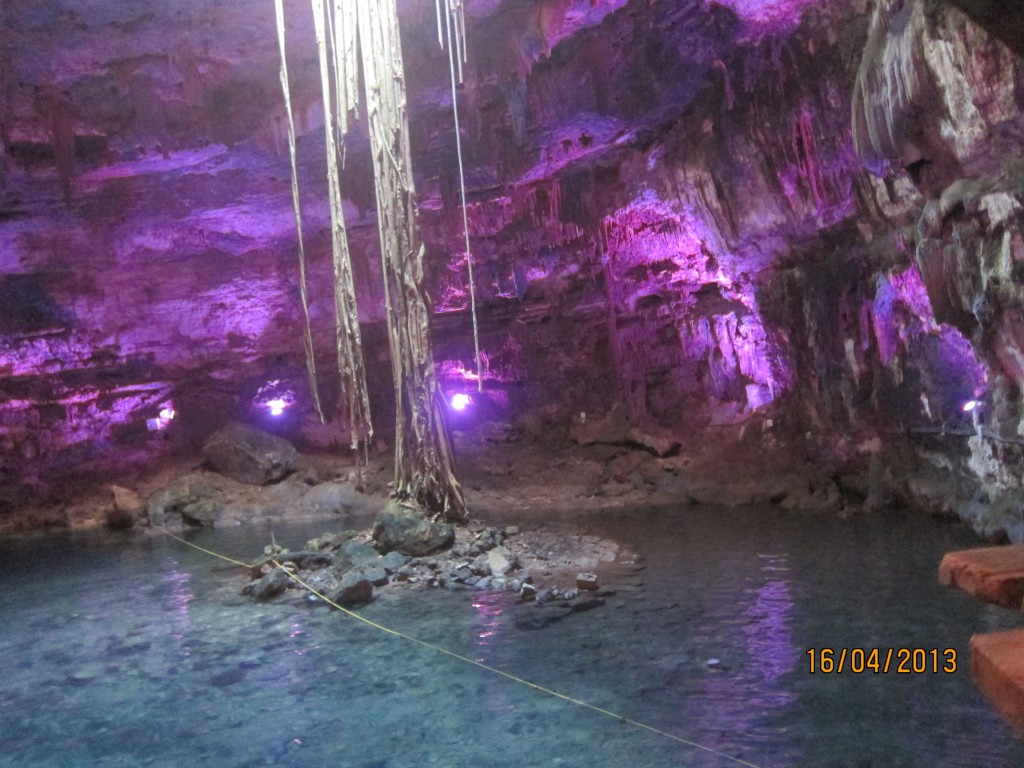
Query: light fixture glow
[460, 400]
[163, 420]
[276, 406]
[970, 405]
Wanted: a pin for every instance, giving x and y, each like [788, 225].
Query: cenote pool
[133, 650]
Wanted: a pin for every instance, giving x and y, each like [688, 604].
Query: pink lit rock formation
[788, 228]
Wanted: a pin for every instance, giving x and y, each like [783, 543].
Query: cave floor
[505, 481]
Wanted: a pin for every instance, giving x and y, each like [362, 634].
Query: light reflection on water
[127, 633]
[769, 638]
[176, 604]
[489, 607]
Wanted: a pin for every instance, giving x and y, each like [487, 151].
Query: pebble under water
[134, 650]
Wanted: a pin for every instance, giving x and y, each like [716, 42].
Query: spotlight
[460, 400]
[161, 422]
[276, 406]
[970, 405]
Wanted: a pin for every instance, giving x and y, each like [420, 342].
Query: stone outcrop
[249, 455]
[210, 499]
[404, 530]
[990, 574]
[348, 570]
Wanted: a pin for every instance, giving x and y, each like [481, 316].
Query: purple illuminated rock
[249, 455]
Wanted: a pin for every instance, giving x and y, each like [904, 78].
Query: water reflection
[489, 607]
[296, 633]
[178, 595]
[768, 631]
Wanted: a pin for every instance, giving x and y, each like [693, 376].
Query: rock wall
[797, 216]
[833, 254]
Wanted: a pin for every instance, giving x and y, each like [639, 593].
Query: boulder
[614, 429]
[375, 574]
[192, 496]
[126, 509]
[401, 529]
[307, 560]
[500, 561]
[249, 455]
[333, 499]
[392, 561]
[610, 429]
[351, 591]
[201, 513]
[360, 554]
[271, 585]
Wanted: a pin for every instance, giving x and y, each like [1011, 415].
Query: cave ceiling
[184, 92]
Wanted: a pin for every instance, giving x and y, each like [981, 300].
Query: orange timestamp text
[881, 661]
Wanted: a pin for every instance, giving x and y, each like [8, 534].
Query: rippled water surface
[134, 650]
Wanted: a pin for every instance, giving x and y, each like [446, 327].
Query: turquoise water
[132, 650]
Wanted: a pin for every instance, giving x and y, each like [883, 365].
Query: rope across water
[493, 670]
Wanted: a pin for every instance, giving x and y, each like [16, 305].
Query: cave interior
[741, 251]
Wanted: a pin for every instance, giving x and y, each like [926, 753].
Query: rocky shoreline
[257, 476]
[554, 572]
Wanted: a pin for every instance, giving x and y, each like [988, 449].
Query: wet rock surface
[544, 567]
[404, 530]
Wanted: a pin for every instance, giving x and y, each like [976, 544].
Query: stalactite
[888, 83]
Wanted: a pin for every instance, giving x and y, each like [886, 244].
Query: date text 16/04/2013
[901, 661]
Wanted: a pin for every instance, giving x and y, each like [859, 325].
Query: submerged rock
[249, 455]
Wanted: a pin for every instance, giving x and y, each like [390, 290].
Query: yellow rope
[203, 549]
[493, 670]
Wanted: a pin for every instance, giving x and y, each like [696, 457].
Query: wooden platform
[997, 666]
[991, 574]
[994, 575]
